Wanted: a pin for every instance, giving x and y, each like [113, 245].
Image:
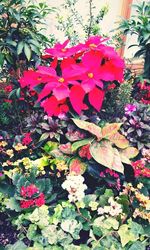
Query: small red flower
[27, 139]
[8, 101]
[84, 152]
[8, 88]
[40, 200]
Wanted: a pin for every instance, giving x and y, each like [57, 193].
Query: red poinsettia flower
[61, 51]
[89, 71]
[93, 43]
[32, 78]
[57, 84]
[54, 107]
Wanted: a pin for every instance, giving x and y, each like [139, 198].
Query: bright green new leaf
[81, 143]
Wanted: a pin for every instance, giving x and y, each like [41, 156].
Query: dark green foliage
[116, 100]
[136, 126]
[20, 39]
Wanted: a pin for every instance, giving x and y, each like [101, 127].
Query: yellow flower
[140, 185]
[3, 143]
[10, 152]
[19, 147]
[61, 165]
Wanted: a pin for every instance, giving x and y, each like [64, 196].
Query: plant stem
[91, 18]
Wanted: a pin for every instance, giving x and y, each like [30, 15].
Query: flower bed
[73, 180]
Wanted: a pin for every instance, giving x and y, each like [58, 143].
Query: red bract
[54, 107]
[93, 43]
[76, 98]
[58, 85]
[96, 97]
[89, 71]
[61, 51]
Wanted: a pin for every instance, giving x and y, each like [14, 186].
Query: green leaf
[110, 129]
[102, 153]
[81, 143]
[50, 232]
[1, 59]
[138, 245]
[126, 235]
[20, 47]
[27, 51]
[119, 140]
[19, 245]
[117, 164]
[12, 204]
[72, 226]
[129, 152]
[31, 233]
[18, 92]
[44, 136]
[90, 127]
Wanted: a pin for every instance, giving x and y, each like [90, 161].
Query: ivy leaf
[126, 235]
[27, 51]
[90, 127]
[138, 245]
[19, 245]
[99, 151]
[50, 233]
[12, 204]
[31, 233]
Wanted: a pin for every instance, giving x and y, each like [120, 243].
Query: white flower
[75, 187]
[100, 210]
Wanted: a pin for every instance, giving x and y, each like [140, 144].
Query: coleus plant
[77, 77]
[107, 146]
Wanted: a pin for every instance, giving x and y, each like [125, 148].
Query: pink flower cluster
[83, 72]
[107, 173]
[28, 192]
[139, 169]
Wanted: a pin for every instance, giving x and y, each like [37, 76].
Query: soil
[8, 234]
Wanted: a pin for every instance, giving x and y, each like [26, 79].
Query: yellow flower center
[63, 50]
[61, 79]
[92, 45]
[90, 75]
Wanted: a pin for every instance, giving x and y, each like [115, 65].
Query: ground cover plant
[74, 172]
